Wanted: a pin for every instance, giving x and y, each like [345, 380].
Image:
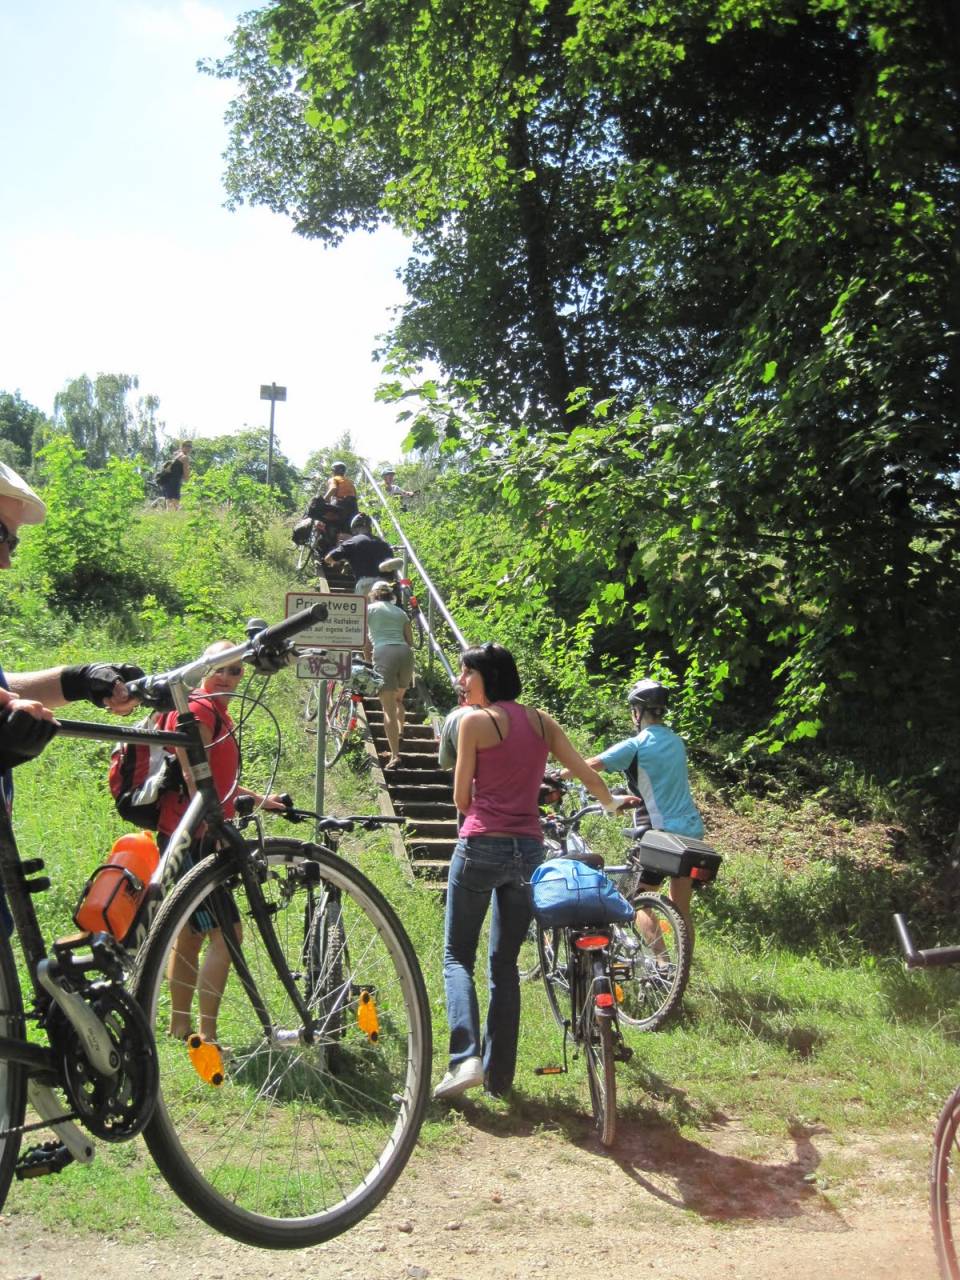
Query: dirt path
[491, 1206]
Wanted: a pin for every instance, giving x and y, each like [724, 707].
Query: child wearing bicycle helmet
[654, 762]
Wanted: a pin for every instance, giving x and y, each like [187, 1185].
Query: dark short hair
[501, 679]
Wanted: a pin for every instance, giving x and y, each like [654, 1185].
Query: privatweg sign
[346, 622]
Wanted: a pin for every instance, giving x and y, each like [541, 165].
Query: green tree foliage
[244, 454]
[20, 423]
[100, 421]
[77, 557]
[692, 273]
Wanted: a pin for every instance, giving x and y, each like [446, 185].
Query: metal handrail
[432, 592]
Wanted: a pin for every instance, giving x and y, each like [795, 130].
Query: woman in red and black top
[187, 973]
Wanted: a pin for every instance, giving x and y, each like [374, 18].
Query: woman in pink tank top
[502, 749]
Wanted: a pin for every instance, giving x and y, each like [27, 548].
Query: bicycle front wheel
[945, 1187]
[300, 1140]
[601, 1070]
[13, 1075]
[650, 961]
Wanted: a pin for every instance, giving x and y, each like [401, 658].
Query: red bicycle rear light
[593, 941]
[699, 873]
[603, 1000]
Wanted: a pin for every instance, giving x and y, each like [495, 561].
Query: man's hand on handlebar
[268, 659]
[102, 683]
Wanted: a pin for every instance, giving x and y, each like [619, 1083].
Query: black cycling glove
[96, 681]
[22, 736]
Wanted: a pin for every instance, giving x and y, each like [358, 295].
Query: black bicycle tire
[405, 1099]
[555, 980]
[325, 949]
[944, 1171]
[662, 997]
[13, 1075]
[601, 1071]
[339, 714]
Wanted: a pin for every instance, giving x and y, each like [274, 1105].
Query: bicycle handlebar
[930, 957]
[155, 690]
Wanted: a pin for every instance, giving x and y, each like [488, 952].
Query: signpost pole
[273, 405]
[270, 391]
[321, 751]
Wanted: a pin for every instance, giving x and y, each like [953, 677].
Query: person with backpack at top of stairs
[173, 473]
[341, 495]
[363, 552]
[187, 973]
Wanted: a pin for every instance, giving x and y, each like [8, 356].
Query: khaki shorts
[394, 664]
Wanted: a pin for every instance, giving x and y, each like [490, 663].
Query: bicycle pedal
[549, 1071]
[623, 1054]
[43, 1159]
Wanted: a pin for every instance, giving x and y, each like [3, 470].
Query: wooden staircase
[419, 790]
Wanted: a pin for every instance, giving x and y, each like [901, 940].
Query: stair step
[427, 847]
[429, 792]
[418, 829]
[432, 809]
[431, 869]
[406, 775]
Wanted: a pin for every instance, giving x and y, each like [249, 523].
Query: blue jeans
[482, 866]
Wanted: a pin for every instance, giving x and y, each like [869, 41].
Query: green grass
[819, 1033]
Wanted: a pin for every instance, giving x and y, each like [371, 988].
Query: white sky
[116, 255]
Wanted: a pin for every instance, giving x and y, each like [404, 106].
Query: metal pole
[273, 405]
[321, 750]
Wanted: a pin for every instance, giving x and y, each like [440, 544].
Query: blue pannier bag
[568, 892]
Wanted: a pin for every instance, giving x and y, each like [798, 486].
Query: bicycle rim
[601, 1071]
[300, 1141]
[553, 950]
[945, 1188]
[13, 1076]
[650, 963]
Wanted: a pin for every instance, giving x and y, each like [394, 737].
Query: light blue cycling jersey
[655, 762]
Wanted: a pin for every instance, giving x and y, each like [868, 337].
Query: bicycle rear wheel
[945, 1188]
[301, 1140]
[650, 962]
[601, 1068]
[553, 948]
[13, 1075]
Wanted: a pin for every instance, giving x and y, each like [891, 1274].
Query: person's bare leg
[182, 968]
[681, 894]
[213, 980]
[391, 724]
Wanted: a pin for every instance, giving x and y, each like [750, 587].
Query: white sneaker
[465, 1075]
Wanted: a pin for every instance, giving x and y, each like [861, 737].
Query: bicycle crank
[116, 1105]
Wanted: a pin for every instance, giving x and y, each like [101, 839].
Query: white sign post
[344, 630]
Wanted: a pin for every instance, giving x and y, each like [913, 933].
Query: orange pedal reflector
[207, 1060]
[367, 1018]
[618, 992]
[593, 941]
